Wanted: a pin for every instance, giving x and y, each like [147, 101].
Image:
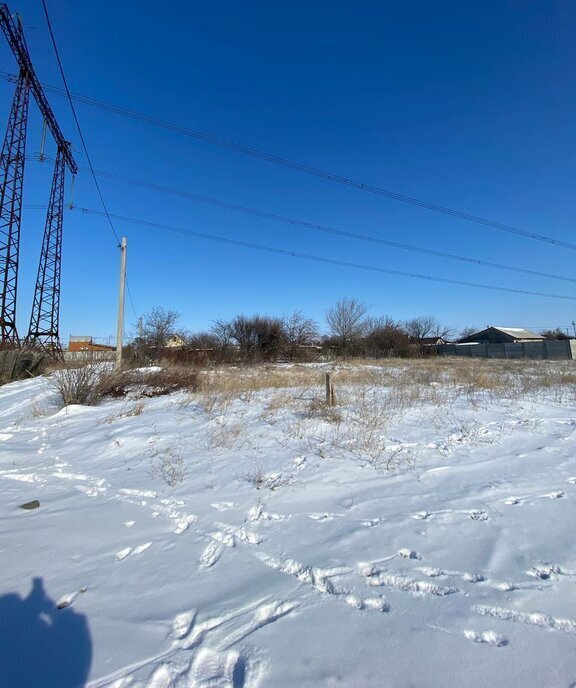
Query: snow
[290, 554]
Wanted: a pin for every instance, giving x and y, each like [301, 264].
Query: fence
[16, 364]
[89, 356]
[554, 349]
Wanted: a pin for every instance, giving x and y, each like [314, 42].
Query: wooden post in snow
[330, 398]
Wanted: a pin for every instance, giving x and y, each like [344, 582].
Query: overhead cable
[307, 169]
[321, 228]
[322, 259]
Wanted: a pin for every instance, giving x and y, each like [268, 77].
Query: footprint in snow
[123, 553]
[544, 571]
[210, 555]
[224, 506]
[161, 678]
[222, 669]
[371, 522]
[323, 516]
[433, 572]
[478, 515]
[557, 494]
[487, 638]
[409, 554]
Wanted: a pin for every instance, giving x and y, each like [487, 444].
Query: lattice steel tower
[43, 330]
[12, 171]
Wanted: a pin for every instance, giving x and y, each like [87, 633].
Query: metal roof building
[502, 335]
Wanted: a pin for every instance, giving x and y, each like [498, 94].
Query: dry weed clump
[168, 462]
[235, 381]
[89, 383]
[84, 384]
[319, 410]
[222, 435]
[258, 477]
[158, 383]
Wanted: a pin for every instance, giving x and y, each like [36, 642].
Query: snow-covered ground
[426, 542]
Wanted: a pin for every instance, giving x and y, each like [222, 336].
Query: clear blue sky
[465, 104]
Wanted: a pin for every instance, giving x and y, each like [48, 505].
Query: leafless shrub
[135, 410]
[223, 435]
[168, 464]
[317, 408]
[215, 403]
[84, 384]
[167, 380]
[88, 384]
[462, 430]
[279, 402]
[255, 476]
[258, 477]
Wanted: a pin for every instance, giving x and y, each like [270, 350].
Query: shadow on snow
[41, 645]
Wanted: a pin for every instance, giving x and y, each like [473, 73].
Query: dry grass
[84, 384]
[499, 378]
[372, 396]
[168, 462]
[89, 383]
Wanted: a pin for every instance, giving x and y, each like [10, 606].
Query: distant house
[432, 341]
[175, 342]
[85, 343]
[501, 335]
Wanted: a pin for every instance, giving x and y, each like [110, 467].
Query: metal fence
[553, 349]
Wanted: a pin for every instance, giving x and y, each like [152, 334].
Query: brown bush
[158, 383]
[88, 384]
[85, 384]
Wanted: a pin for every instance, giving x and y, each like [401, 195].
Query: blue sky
[468, 105]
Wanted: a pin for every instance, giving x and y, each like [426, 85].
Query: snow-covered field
[420, 534]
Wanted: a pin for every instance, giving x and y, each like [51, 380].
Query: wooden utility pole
[120, 330]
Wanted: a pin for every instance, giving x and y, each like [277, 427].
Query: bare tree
[554, 334]
[420, 327]
[347, 322]
[201, 340]
[156, 328]
[385, 337]
[467, 332]
[259, 337]
[299, 332]
[222, 330]
[425, 326]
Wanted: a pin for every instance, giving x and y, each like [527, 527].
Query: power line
[321, 259]
[69, 96]
[130, 297]
[82, 139]
[320, 228]
[306, 169]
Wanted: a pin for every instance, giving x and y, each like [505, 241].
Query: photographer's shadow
[41, 645]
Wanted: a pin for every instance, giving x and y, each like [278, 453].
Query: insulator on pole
[42, 142]
[72, 186]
